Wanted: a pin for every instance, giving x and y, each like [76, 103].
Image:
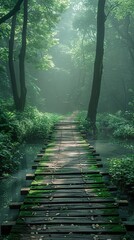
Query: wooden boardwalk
[68, 197]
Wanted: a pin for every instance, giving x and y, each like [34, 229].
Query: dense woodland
[48, 56]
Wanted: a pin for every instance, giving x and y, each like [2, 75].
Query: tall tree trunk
[23, 89]
[98, 65]
[19, 98]
[11, 63]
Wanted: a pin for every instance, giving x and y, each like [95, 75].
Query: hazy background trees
[29, 33]
[60, 54]
[70, 80]
[47, 49]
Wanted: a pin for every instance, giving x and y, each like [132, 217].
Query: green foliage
[124, 131]
[7, 151]
[120, 125]
[117, 124]
[84, 23]
[35, 124]
[42, 18]
[16, 127]
[41, 36]
[123, 7]
[122, 171]
[82, 122]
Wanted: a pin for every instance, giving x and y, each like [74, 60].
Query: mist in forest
[67, 86]
[60, 57]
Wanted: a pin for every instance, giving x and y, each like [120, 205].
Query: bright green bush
[122, 171]
[36, 124]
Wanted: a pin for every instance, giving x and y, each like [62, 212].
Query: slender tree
[98, 65]
[43, 16]
[22, 59]
[11, 62]
[18, 85]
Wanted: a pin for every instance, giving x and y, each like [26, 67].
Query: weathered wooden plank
[83, 166]
[129, 225]
[72, 156]
[93, 228]
[71, 213]
[15, 205]
[77, 162]
[43, 173]
[60, 201]
[68, 181]
[24, 191]
[69, 236]
[30, 176]
[101, 190]
[6, 227]
[87, 220]
[66, 173]
[70, 185]
[65, 196]
[122, 202]
[40, 155]
[69, 206]
[62, 176]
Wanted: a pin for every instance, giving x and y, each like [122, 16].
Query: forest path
[68, 198]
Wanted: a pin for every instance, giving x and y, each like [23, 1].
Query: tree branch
[111, 8]
[12, 12]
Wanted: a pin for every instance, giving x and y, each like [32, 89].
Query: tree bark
[19, 98]
[12, 12]
[98, 65]
[23, 89]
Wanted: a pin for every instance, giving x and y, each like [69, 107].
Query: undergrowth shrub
[82, 122]
[124, 131]
[7, 151]
[16, 127]
[39, 124]
[117, 124]
[122, 172]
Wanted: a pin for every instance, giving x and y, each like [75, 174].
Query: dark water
[10, 187]
[111, 148]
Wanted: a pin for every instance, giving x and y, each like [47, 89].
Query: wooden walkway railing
[68, 197]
